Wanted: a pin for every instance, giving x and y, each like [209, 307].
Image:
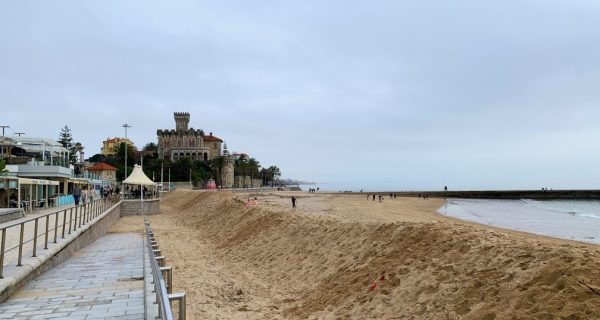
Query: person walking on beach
[293, 202]
[76, 194]
[373, 197]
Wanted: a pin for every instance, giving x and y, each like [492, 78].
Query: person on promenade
[84, 194]
[293, 202]
[13, 201]
[76, 194]
[91, 194]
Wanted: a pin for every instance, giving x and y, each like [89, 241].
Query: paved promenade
[102, 281]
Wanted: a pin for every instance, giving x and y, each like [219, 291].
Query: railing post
[2, 253]
[21, 245]
[71, 218]
[82, 216]
[77, 210]
[56, 227]
[180, 296]
[35, 233]
[64, 223]
[169, 272]
[46, 235]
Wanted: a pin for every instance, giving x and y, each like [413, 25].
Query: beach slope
[343, 257]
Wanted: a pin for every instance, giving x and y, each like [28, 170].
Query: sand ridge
[319, 261]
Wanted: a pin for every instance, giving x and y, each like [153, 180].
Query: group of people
[380, 196]
[313, 190]
[87, 194]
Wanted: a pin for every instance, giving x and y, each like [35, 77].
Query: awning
[27, 181]
[138, 177]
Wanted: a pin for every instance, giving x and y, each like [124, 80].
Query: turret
[182, 119]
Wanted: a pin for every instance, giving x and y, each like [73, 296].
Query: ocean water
[566, 219]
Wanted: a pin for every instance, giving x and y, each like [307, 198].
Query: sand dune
[343, 257]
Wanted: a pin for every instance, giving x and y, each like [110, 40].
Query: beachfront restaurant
[28, 194]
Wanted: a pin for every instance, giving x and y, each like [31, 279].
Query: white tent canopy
[138, 177]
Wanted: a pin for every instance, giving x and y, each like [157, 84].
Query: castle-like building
[184, 142]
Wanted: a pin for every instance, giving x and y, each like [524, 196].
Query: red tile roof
[101, 167]
[211, 138]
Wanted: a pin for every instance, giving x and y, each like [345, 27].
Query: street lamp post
[126, 126]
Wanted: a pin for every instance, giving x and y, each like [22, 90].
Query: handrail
[83, 214]
[162, 296]
[164, 291]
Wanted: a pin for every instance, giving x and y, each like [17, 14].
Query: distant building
[184, 142]
[108, 145]
[104, 171]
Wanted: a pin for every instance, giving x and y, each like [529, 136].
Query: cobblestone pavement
[102, 281]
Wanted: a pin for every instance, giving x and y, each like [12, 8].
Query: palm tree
[253, 167]
[217, 164]
[274, 172]
[264, 174]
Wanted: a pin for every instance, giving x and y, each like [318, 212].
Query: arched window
[175, 156]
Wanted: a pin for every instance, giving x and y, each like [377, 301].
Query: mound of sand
[391, 260]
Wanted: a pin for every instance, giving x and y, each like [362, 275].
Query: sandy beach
[346, 257]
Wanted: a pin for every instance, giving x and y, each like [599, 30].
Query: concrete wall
[239, 182]
[134, 207]
[15, 277]
[11, 214]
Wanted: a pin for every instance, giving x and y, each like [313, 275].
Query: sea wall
[500, 194]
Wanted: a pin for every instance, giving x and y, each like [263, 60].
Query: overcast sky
[409, 94]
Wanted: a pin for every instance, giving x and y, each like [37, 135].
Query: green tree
[264, 173]
[200, 171]
[150, 146]
[98, 157]
[253, 167]
[217, 164]
[181, 169]
[65, 138]
[274, 173]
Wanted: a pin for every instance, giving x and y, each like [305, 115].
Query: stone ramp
[102, 281]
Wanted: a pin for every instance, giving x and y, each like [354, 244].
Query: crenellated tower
[182, 120]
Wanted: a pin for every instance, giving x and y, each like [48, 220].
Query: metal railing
[163, 290]
[21, 237]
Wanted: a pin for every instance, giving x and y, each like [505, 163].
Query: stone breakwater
[500, 194]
